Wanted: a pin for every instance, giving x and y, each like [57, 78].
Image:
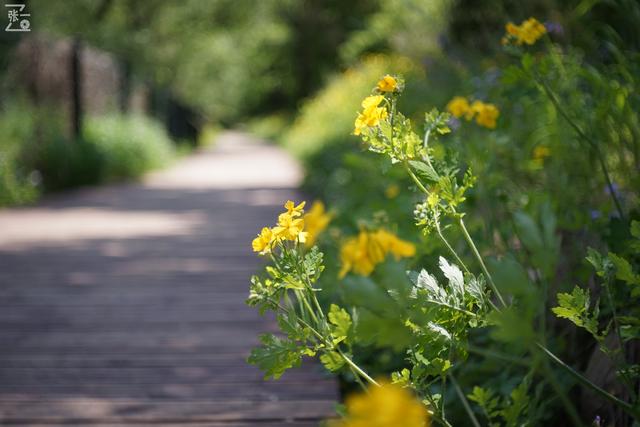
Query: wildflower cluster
[293, 225]
[362, 253]
[455, 308]
[528, 32]
[486, 114]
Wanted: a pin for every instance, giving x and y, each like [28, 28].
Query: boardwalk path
[125, 304]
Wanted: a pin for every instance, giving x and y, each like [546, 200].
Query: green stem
[627, 407]
[357, 368]
[625, 379]
[472, 245]
[453, 252]
[465, 402]
[554, 100]
[498, 355]
[571, 409]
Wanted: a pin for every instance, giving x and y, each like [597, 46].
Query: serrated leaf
[424, 170]
[624, 270]
[402, 378]
[341, 322]
[276, 355]
[454, 275]
[332, 361]
[576, 307]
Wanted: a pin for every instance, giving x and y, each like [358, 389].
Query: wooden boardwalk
[124, 305]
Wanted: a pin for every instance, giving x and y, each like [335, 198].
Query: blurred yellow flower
[315, 221]
[385, 406]
[487, 114]
[433, 199]
[458, 106]
[362, 253]
[289, 227]
[371, 114]
[263, 242]
[392, 191]
[528, 31]
[387, 84]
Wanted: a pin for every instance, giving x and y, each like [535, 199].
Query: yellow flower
[541, 152]
[392, 191]
[371, 114]
[458, 106]
[315, 221]
[387, 84]
[527, 32]
[361, 254]
[390, 243]
[354, 255]
[263, 242]
[294, 210]
[531, 30]
[487, 114]
[289, 227]
[385, 406]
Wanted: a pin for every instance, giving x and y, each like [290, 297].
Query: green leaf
[486, 399]
[624, 271]
[341, 322]
[276, 355]
[402, 378]
[455, 277]
[332, 361]
[424, 170]
[576, 307]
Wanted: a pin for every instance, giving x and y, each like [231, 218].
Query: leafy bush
[126, 147]
[36, 156]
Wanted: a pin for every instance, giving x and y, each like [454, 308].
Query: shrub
[125, 147]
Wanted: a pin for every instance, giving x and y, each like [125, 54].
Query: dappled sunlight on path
[125, 304]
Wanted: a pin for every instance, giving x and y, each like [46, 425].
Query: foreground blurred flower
[385, 406]
[315, 221]
[528, 32]
[362, 253]
[387, 84]
[371, 114]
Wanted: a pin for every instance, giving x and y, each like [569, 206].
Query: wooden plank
[147, 330]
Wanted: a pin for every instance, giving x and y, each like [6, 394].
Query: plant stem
[573, 413]
[498, 355]
[554, 100]
[357, 368]
[472, 245]
[453, 252]
[627, 407]
[465, 402]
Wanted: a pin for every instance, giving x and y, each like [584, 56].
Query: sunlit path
[125, 304]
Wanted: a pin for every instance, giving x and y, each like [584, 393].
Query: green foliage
[127, 146]
[276, 355]
[576, 307]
